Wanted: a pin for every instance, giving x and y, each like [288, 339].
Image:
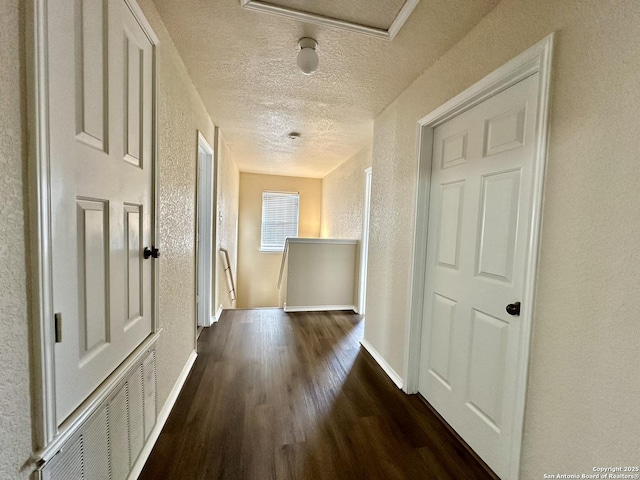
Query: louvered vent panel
[95, 458]
[119, 435]
[107, 445]
[66, 465]
[136, 415]
[149, 371]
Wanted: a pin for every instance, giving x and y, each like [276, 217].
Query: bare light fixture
[294, 135]
[307, 59]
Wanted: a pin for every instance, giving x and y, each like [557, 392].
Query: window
[279, 220]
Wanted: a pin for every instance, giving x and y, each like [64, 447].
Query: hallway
[292, 396]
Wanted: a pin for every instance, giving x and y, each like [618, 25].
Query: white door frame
[537, 59]
[364, 243]
[205, 233]
[48, 437]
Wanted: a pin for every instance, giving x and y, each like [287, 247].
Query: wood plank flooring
[292, 396]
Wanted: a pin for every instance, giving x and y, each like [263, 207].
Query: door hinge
[58, 326]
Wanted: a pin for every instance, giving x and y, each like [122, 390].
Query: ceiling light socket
[307, 59]
[307, 42]
[294, 135]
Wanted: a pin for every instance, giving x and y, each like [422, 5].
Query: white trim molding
[391, 373]
[40, 193]
[537, 59]
[218, 314]
[162, 417]
[206, 262]
[319, 308]
[364, 242]
[308, 17]
[331, 241]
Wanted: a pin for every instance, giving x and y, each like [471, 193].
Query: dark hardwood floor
[293, 396]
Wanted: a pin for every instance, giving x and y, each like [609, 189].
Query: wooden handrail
[284, 259]
[228, 273]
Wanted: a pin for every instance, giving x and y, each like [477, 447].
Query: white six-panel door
[479, 224]
[100, 89]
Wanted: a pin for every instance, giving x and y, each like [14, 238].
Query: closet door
[100, 109]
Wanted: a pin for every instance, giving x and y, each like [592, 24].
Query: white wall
[342, 197]
[228, 191]
[321, 273]
[582, 403]
[181, 115]
[15, 401]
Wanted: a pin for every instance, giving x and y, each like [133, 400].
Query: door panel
[101, 191]
[488, 346]
[441, 336]
[133, 95]
[135, 266]
[451, 215]
[479, 219]
[505, 131]
[498, 223]
[91, 67]
[93, 274]
[454, 149]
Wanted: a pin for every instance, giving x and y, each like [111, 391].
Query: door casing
[48, 436]
[205, 232]
[536, 59]
[364, 243]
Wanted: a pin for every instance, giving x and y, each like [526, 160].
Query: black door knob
[151, 252]
[513, 308]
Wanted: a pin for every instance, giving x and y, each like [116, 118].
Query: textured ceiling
[243, 64]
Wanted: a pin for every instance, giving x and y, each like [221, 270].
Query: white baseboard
[319, 308]
[395, 378]
[218, 313]
[162, 418]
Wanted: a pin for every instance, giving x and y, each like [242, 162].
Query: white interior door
[479, 228]
[205, 234]
[100, 108]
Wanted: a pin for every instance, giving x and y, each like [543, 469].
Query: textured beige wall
[228, 191]
[343, 196]
[15, 402]
[258, 272]
[321, 274]
[181, 115]
[582, 403]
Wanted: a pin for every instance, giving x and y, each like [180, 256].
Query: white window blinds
[279, 219]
